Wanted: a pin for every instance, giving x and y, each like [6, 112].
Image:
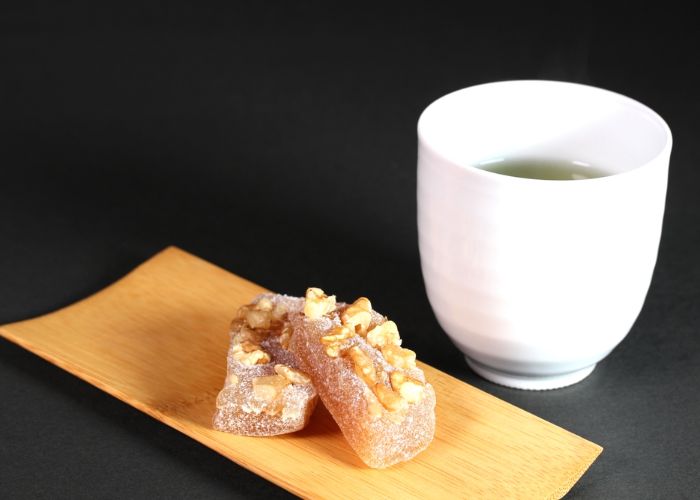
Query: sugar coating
[381, 441]
[238, 410]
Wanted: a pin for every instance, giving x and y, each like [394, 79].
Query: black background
[277, 140]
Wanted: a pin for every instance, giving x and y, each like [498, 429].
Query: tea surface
[545, 169]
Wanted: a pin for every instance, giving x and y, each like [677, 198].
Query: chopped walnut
[364, 367]
[389, 399]
[358, 315]
[398, 357]
[260, 398]
[242, 311]
[258, 319]
[410, 389]
[292, 375]
[279, 312]
[338, 334]
[363, 303]
[245, 346]
[264, 304]
[333, 350]
[317, 303]
[286, 336]
[269, 388]
[246, 333]
[385, 334]
[333, 341]
[252, 358]
[249, 353]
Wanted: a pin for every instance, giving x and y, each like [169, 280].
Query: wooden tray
[157, 339]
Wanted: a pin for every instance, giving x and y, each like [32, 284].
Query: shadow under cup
[537, 280]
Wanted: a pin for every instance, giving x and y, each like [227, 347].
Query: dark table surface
[278, 141]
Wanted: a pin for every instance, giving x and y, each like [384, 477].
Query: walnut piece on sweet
[249, 353]
[286, 336]
[389, 399]
[264, 304]
[245, 333]
[269, 388]
[317, 303]
[385, 334]
[333, 341]
[338, 334]
[399, 357]
[292, 375]
[279, 312]
[363, 365]
[258, 319]
[358, 315]
[409, 389]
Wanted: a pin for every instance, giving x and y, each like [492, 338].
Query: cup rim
[643, 108]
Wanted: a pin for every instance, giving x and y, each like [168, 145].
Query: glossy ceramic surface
[538, 280]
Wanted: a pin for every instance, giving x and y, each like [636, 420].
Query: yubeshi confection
[286, 349]
[265, 393]
[367, 381]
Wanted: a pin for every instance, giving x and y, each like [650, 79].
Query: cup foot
[529, 382]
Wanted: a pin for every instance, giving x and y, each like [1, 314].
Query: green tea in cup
[543, 168]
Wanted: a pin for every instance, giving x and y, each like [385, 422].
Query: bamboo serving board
[157, 339]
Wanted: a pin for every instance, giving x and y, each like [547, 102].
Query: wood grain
[157, 340]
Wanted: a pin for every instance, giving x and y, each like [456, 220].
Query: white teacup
[537, 280]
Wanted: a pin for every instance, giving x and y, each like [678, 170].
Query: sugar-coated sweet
[368, 382]
[265, 393]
